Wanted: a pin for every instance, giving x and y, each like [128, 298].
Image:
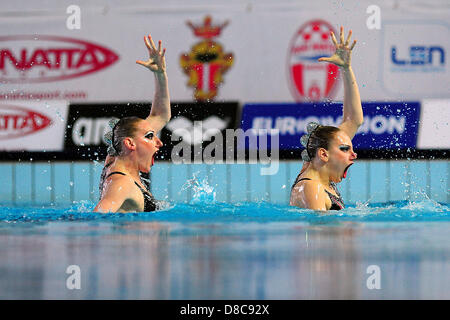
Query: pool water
[213, 250]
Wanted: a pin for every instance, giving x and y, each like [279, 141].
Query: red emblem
[309, 79]
[206, 63]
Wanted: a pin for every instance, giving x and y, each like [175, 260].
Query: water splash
[202, 191]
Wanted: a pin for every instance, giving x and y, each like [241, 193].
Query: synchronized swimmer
[133, 143]
[328, 150]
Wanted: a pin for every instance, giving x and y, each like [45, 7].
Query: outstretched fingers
[151, 42]
[341, 35]
[348, 38]
[326, 59]
[333, 38]
[142, 63]
[155, 61]
[147, 44]
[353, 45]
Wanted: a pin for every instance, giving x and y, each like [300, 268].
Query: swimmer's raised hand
[156, 61]
[342, 56]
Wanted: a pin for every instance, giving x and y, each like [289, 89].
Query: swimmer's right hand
[342, 56]
[156, 61]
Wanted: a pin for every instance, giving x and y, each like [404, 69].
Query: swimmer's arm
[352, 113]
[160, 112]
[114, 195]
[309, 195]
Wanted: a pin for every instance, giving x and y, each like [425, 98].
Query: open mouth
[153, 157]
[346, 169]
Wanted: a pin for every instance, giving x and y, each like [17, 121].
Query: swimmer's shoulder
[309, 194]
[306, 181]
[120, 183]
[120, 195]
[309, 185]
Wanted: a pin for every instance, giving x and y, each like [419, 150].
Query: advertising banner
[197, 132]
[414, 66]
[32, 126]
[434, 129]
[387, 126]
[191, 128]
[87, 123]
[260, 52]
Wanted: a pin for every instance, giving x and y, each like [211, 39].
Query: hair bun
[108, 137]
[304, 140]
[311, 127]
[305, 155]
[112, 122]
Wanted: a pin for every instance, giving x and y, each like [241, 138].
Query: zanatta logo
[18, 122]
[31, 59]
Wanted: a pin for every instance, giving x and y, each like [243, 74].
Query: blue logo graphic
[418, 58]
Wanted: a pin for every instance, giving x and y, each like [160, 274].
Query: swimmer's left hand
[342, 56]
[156, 61]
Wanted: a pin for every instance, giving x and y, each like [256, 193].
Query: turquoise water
[207, 249]
[244, 212]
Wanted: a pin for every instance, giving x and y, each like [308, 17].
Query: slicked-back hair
[321, 138]
[126, 127]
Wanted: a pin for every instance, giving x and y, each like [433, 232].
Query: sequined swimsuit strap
[149, 201]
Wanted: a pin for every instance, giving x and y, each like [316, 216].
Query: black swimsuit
[336, 202]
[149, 201]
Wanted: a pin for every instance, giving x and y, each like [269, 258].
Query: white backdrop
[258, 35]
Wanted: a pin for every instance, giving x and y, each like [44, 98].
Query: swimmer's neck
[126, 166]
[319, 173]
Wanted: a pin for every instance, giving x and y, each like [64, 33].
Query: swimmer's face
[341, 156]
[147, 145]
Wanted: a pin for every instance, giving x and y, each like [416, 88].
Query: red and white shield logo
[309, 79]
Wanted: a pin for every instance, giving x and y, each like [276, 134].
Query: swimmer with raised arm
[133, 144]
[328, 150]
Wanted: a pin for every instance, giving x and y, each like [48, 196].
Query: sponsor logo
[194, 133]
[90, 131]
[88, 122]
[310, 80]
[197, 132]
[386, 125]
[33, 59]
[207, 62]
[294, 126]
[17, 122]
[418, 58]
[417, 49]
